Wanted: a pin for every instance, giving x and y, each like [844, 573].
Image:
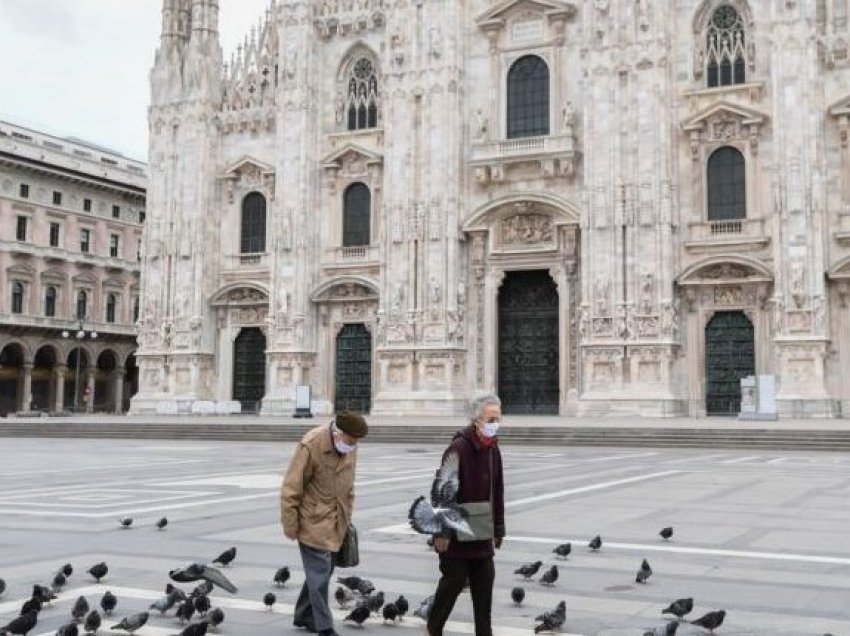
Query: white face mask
[343, 448]
[490, 429]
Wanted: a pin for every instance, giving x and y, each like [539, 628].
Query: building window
[111, 303]
[57, 198]
[528, 98]
[725, 48]
[85, 241]
[86, 205]
[116, 211]
[24, 191]
[141, 216]
[361, 104]
[50, 302]
[253, 223]
[139, 250]
[17, 297]
[21, 228]
[82, 304]
[727, 186]
[356, 213]
[54, 235]
[113, 245]
[136, 309]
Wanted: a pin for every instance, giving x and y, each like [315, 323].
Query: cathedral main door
[353, 369]
[729, 356]
[249, 369]
[528, 343]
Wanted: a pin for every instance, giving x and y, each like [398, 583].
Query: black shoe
[328, 632]
[306, 626]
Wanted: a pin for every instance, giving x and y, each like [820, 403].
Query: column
[26, 387]
[89, 393]
[59, 377]
[118, 388]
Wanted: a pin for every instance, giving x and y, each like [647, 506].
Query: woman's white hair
[480, 401]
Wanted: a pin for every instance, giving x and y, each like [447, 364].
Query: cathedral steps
[571, 434]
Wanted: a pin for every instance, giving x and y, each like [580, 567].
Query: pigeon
[680, 607]
[204, 588]
[529, 569]
[185, 611]
[198, 571]
[517, 595]
[426, 519]
[126, 522]
[33, 604]
[550, 576]
[226, 557]
[43, 594]
[216, 617]
[98, 571]
[80, 609]
[108, 603]
[358, 615]
[668, 629]
[59, 581]
[92, 623]
[356, 584]
[402, 606]
[424, 609]
[133, 622]
[195, 629]
[179, 594]
[390, 613]
[446, 484]
[644, 573]
[2, 587]
[21, 625]
[563, 550]
[281, 576]
[666, 533]
[202, 604]
[70, 629]
[374, 602]
[552, 621]
[595, 543]
[160, 525]
[164, 604]
[269, 600]
[343, 597]
[67, 570]
[710, 621]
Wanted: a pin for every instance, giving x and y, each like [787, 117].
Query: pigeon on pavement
[390, 613]
[179, 594]
[517, 595]
[595, 543]
[2, 587]
[269, 600]
[281, 576]
[667, 629]
[108, 603]
[21, 625]
[93, 621]
[198, 571]
[59, 581]
[550, 576]
[356, 584]
[126, 522]
[563, 550]
[185, 611]
[343, 596]
[358, 615]
[644, 572]
[204, 588]
[529, 569]
[67, 570]
[98, 571]
[403, 606]
[424, 609]
[70, 629]
[160, 525]
[202, 604]
[33, 604]
[552, 621]
[666, 533]
[133, 622]
[216, 617]
[195, 629]
[710, 621]
[679, 607]
[80, 609]
[43, 593]
[164, 604]
[226, 557]
[374, 602]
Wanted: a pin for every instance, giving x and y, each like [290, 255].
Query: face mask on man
[341, 447]
[490, 429]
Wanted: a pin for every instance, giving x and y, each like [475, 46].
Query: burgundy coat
[475, 486]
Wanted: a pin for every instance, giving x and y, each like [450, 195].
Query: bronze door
[249, 369]
[528, 344]
[353, 369]
[729, 356]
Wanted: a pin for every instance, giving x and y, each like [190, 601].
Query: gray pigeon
[281, 576]
[108, 603]
[424, 609]
[22, 625]
[59, 581]
[269, 600]
[2, 587]
[202, 604]
[552, 621]
[666, 533]
[390, 613]
[160, 525]
[667, 629]
[517, 595]
[70, 629]
[195, 629]
[442, 513]
[133, 622]
[529, 569]
[358, 615]
[185, 611]
[216, 617]
[595, 543]
[402, 605]
[92, 623]
[99, 570]
[374, 602]
[199, 571]
[711, 621]
[644, 573]
[227, 557]
[550, 576]
[80, 609]
[563, 550]
[165, 603]
[680, 607]
[343, 596]
[126, 522]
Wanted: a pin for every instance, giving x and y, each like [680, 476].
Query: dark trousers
[481, 574]
[311, 608]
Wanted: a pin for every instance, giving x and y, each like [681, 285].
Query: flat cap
[352, 423]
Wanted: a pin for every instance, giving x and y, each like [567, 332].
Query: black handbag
[348, 555]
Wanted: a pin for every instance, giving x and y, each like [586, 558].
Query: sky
[79, 68]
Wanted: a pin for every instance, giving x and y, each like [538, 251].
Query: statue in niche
[461, 294]
[398, 298]
[568, 121]
[601, 296]
[798, 284]
[481, 125]
[435, 42]
[647, 287]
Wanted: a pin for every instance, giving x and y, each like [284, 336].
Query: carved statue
[481, 125]
[798, 284]
[647, 288]
[601, 296]
[434, 291]
[398, 298]
[569, 119]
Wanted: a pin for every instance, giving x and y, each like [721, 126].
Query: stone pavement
[760, 534]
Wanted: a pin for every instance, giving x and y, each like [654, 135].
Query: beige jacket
[317, 496]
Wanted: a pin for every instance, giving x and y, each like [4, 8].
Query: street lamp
[80, 336]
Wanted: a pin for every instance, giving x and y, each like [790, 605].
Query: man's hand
[497, 542]
[441, 544]
[291, 535]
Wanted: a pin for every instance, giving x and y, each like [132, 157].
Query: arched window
[17, 297]
[528, 97]
[356, 213]
[361, 102]
[727, 186]
[82, 304]
[253, 223]
[111, 303]
[50, 302]
[726, 52]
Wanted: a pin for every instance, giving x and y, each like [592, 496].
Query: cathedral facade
[588, 207]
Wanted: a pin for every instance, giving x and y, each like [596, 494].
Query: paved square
[762, 535]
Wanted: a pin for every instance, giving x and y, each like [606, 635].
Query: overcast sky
[80, 67]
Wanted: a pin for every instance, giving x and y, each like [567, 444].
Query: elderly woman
[480, 480]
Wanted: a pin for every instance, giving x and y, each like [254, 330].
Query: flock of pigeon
[368, 602]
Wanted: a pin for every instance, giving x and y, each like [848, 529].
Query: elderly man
[480, 480]
[316, 504]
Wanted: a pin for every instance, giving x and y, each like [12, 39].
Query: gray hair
[478, 402]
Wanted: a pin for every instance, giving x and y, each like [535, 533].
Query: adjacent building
[588, 207]
[71, 217]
